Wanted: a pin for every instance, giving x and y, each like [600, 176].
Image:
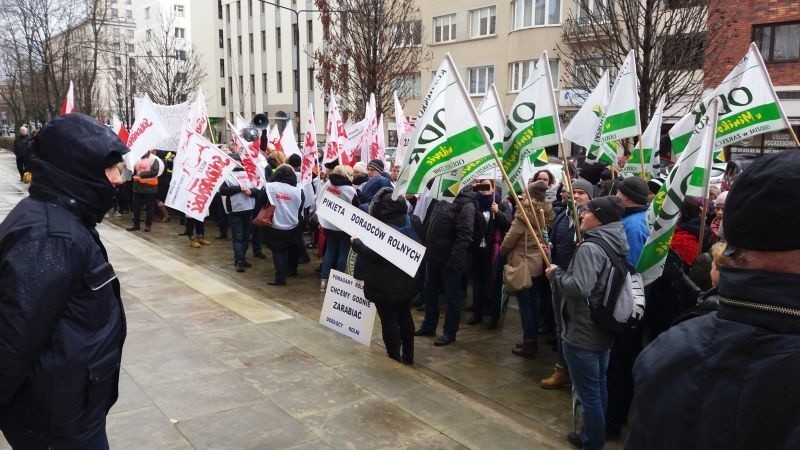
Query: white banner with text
[346, 310]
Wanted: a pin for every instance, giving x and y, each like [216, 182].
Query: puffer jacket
[726, 379]
[586, 278]
[519, 244]
[562, 236]
[62, 323]
[449, 234]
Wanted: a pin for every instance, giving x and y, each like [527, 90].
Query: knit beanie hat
[607, 209]
[538, 190]
[635, 189]
[584, 185]
[375, 164]
[360, 167]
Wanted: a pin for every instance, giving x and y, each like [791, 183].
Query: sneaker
[239, 268]
[559, 379]
[323, 285]
[443, 340]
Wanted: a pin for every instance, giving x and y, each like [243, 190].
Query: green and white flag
[749, 106]
[650, 143]
[536, 159]
[586, 123]
[682, 181]
[533, 120]
[490, 111]
[446, 136]
[621, 119]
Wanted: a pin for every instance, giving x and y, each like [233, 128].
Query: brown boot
[194, 243]
[161, 212]
[526, 349]
[559, 379]
[203, 241]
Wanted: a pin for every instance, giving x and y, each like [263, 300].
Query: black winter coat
[449, 235]
[728, 379]
[562, 236]
[22, 146]
[62, 323]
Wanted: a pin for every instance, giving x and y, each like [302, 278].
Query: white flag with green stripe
[446, 136]
[649, 146]
[533, 120]
[621, 119]
[490, 112]
[586, 123]
[681, 182]
[749, 106]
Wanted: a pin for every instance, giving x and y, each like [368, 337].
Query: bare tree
[168, 67]
[372, 46]
[670, 38]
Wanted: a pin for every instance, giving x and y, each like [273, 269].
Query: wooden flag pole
[488, 142]
[565, 177]
[794, 136]
[641, 156]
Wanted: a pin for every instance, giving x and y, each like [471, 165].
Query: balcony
[576, 30]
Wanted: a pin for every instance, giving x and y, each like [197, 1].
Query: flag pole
[706, 179]
[565, 178]
[794, 136]
[641, 156]
[488, 142]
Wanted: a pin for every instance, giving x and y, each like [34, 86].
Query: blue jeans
[436, 275]
[240, 223]
[336, 251]
[587, 369]
[256, 240]
[528, 300]
[280, 258]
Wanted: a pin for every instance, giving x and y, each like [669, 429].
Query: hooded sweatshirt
[586, 278]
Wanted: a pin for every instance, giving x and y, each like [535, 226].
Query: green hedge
[7, 142]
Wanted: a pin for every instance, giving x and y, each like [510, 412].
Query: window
[241, 84]
[130, 34]
[130, 49]
[222, 68]
[230, 85]
[252, 84]
[588, 72]
[295, 81]
[128, 14]
[311, 79]
[595, 10]
[444, 28]
[180, 77]
[278, 37]
[684, 51]
[117, 60]
[239, 44]
[295, 36]
[229, 46]
[147, 13]
[128, 2]
[408, 34]
[221, 39]
[115, 32]
[238, 10]
[408, 86]
[778, 42]
[263, 41]
[228, 12]
[180, 32]
[309, 31]
[219, 11]
[180, 54]
[528, 13]
[250, 42]
[113, 13]
[222, 98]
[280, 81]
[480, 78]
[264, 82]
[149, 33]
[263, 8]
[178, 10]
[482, 22]
[250, 8]
[518, 73]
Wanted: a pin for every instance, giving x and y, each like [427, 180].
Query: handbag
[518, 278]
[264, 216]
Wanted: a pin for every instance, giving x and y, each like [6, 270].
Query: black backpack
[623, 299]
[479, 227]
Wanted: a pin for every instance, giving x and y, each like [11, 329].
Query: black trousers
[21, 165]
[398, 330]
[619, 376]
[149, 201]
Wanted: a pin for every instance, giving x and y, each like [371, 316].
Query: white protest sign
[345, 309]
[202, 170]
[146, 132]
[384, 240]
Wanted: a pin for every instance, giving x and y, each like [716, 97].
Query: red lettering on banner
[204, 186]
[334, 190]
[200, 124]
[146, 123]
[282, 196]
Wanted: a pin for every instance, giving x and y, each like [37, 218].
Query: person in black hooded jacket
[389, 288]
[62, 323]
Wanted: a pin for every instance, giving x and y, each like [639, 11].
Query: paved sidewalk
[218, 359]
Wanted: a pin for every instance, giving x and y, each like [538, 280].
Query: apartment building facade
[775, 27]
[268, 60]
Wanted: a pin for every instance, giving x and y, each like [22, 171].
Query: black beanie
[607, 209]
[635, 189]
[375, 164]
[764, 193]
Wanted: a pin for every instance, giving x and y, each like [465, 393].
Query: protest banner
[202, 171]
[145, 134]
[388, 242]
[346, 310]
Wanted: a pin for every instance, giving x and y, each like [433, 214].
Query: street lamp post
[296, 37]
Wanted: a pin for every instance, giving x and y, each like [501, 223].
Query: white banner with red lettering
[172, 116]
[147, 131]
[202, 171]
[309, 148]
[336, 136]
[198, 116]
[249, 157]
